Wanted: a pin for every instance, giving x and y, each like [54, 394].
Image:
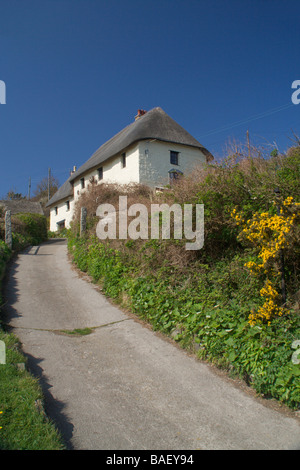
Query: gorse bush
[273, 236]
[222, 301]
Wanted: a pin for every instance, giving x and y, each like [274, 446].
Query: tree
[41, 191]
[12, 195]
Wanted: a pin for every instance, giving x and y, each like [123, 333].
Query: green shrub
[5, 254]
[33, 227]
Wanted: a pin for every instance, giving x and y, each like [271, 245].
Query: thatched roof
[64, 192]
[154, 124]
[18, 206]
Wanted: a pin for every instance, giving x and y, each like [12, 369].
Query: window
[56, 210]
[68, 205]
[61, 224]
[174, 157]
[82, 183]
[100, 173]
[174, 175]
[123, 160]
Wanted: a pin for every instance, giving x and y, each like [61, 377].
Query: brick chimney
[140, 113]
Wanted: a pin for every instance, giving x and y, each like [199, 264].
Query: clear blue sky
[76, 71]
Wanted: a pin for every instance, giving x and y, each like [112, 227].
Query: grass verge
[24, 424]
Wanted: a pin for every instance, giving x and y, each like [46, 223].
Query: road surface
[123, 386]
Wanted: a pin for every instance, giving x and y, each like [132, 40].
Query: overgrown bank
[223, 301]
[23, 423]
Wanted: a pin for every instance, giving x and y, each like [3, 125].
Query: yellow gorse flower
[270, 233]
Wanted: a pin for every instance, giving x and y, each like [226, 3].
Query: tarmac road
[123, 386]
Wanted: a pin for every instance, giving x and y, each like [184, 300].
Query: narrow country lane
[123, 386]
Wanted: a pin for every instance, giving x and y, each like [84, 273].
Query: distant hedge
[28, 229]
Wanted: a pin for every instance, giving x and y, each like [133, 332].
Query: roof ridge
[155, 123]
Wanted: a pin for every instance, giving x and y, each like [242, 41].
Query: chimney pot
[140, 113]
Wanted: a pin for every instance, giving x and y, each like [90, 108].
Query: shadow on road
[53, 407]
[10, 293]
[57, 241]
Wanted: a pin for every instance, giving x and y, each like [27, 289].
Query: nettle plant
[270, 233]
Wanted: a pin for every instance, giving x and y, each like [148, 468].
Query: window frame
[174, 157]
[100, 173]
[123, 160]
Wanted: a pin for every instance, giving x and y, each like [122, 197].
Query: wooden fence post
[2, 353]
[8, 232]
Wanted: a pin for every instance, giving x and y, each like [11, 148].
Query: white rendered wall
[113, 171]
[62, 214]
[155, 161]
